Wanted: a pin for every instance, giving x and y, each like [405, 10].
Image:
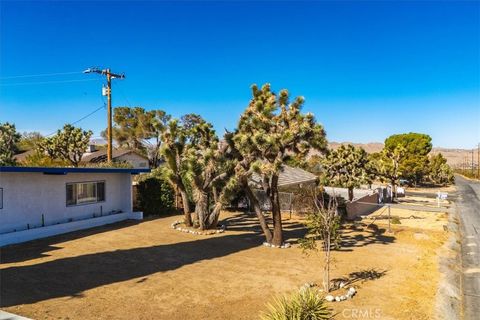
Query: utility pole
[108, 92]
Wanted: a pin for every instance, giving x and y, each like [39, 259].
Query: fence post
[389, 229]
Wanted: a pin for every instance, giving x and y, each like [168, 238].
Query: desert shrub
[155, 195]
[302, 305]
[395, 220]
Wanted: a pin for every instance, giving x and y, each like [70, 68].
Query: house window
[85, 192]
[1, 198]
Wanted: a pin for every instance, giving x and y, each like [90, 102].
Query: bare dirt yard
[149, 271]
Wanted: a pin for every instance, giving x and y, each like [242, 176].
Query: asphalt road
[468, 204]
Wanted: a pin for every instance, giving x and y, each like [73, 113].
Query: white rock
[352, 290]
[337, 298]
[342, 284]
[329, 298]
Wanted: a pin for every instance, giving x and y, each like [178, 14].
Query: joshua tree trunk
[201, 209]
[186, 206]
[258, 211]
[214, 215]
[276, 213]
[350, 193]
[394, 189]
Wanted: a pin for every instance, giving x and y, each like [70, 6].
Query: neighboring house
[22, 157]
[118, 155]
[38, 202]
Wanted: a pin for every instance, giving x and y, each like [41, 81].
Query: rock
[329, 298]
[343, 298]
[352, 290]
[342, 284]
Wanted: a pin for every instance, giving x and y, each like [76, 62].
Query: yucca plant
[305, 304]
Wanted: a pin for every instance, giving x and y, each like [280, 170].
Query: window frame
[96, 190]
[1, 198]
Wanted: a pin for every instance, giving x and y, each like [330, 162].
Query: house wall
[362, 206]
[26, 196]
[134, 159]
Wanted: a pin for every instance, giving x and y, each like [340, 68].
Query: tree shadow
[73, 275]
[248, 222]
[359, 276]
[38, 248]
[70, 276]
[360, 236]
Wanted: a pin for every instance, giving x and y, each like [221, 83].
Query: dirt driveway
[149, 271]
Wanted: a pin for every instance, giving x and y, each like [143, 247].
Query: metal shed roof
[289, 176]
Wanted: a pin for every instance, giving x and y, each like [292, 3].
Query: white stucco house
[39, 202]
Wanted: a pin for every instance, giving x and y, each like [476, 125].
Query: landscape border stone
[176, 226]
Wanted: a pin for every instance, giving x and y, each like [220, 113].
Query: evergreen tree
[414, 163]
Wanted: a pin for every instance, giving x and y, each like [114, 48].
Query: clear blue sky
[366, 69]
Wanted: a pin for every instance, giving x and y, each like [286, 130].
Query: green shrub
[302, 305]
[395, 220]
[155, 196]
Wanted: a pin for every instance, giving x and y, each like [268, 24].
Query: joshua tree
[209, 171]
[271, 131]
[8, 141]
[386, 165]
[347, 167]
[69, 144]
[173, 150]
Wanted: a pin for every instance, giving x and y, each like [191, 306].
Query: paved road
[468, 203]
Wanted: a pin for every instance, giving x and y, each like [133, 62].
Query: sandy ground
[149, 271]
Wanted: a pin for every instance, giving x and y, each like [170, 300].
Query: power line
[44, 82]
[40, 75]
[82, 118]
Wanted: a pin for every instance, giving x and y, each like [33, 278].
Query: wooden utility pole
[108, 92]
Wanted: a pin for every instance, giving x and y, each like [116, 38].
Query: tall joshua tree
[271, 131]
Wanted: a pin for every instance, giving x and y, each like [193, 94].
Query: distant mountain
[455, 157]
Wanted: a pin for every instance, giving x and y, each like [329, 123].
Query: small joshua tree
[69, 144]
[323, 224]
[347, 167]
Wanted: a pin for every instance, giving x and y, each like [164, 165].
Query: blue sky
[366, 69]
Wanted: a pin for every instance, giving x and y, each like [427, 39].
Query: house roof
[101, 155]
[21, 157]
[289, 176]
[66, 170]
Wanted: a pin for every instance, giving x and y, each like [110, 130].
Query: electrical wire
[44, 82]
[40, 75]
[82, 118]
